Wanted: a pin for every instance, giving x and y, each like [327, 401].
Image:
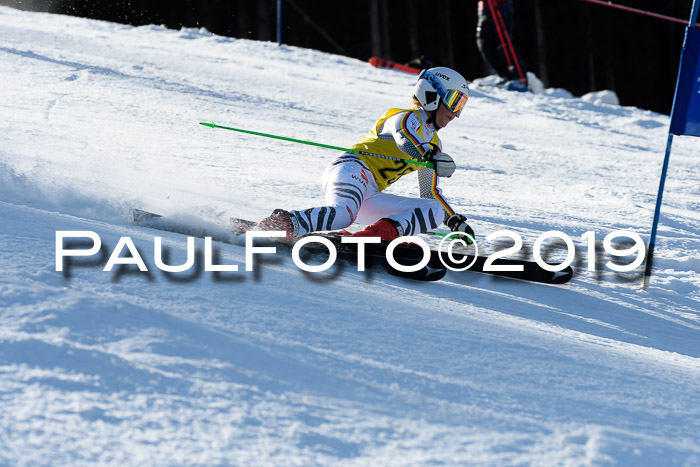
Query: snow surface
[279, 367]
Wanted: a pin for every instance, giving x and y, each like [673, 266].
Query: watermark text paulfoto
[88, 244]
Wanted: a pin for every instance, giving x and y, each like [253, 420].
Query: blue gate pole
[657, 212]
[667, 156]
[279, 22]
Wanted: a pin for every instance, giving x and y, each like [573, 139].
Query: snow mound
[601, 97]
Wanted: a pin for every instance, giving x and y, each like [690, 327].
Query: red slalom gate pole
[511, 48]
[500, 34]
[641, 12]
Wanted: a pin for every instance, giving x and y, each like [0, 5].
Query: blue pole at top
[667, 156]
[279, 22]
[694, 13]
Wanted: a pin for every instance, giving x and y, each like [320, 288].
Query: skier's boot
[280, 220]
[386, 229]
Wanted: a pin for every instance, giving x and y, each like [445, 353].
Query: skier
[354, 184]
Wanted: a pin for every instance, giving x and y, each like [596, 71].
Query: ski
[525, 270]
[375, 257]
[382, 63]
[375, 253]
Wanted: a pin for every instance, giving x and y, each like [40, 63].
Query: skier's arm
[405, 134]
[404, 130]
[428, 185]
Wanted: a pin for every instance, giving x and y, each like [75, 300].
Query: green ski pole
[327, 146]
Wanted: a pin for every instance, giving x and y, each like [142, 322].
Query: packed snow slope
[281, 367]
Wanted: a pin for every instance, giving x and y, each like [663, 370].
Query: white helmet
[444, 83]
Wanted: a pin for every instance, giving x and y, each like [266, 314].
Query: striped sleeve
[428, 184]
[405, 133]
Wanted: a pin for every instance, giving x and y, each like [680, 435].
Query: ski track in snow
[278, 367]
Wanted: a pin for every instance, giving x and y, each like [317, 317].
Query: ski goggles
[455, 101]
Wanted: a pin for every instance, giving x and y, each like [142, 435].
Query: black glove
[458, 223]
[444, 165]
